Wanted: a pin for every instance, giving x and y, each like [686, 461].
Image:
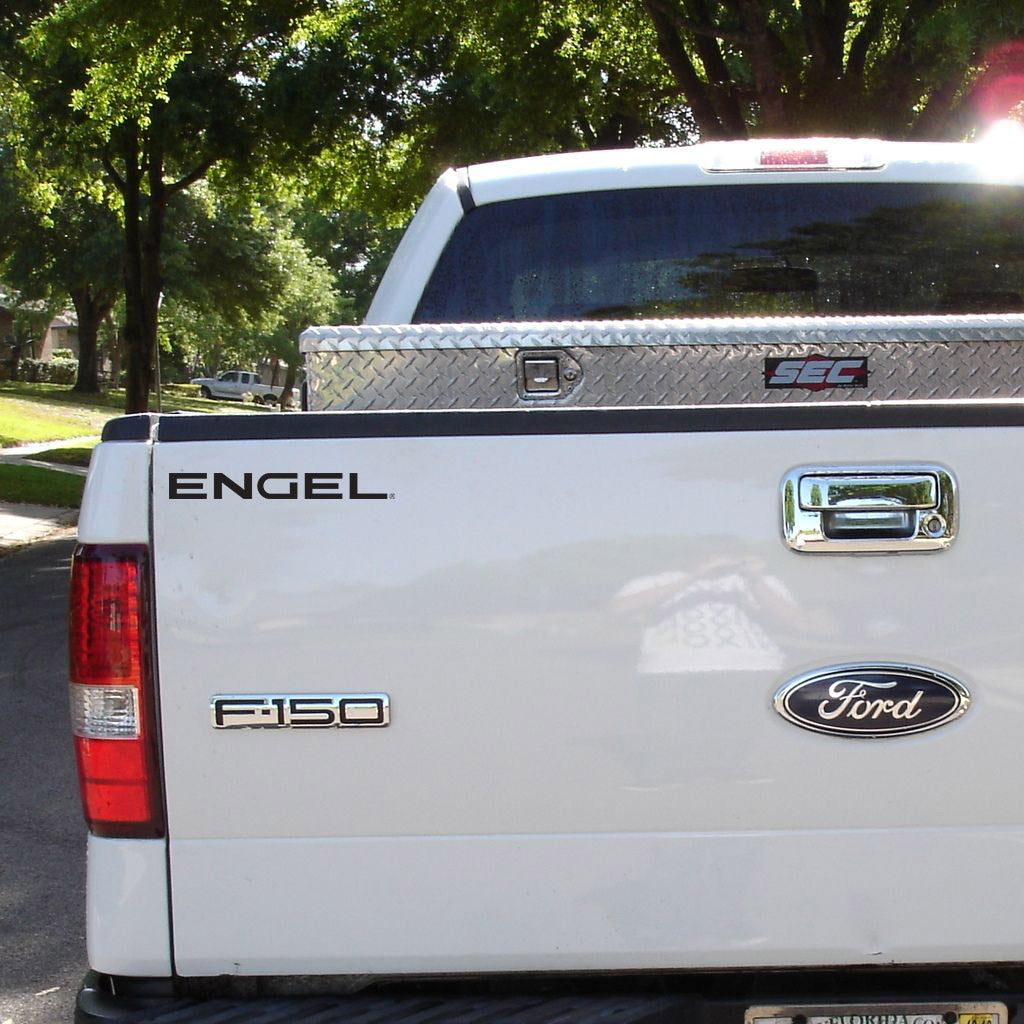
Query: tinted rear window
[826, 249]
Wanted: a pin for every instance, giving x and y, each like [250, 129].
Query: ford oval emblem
[872, 700]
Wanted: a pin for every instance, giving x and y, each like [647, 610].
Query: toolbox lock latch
[549, 375]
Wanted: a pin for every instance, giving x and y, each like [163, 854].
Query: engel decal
[273, 486]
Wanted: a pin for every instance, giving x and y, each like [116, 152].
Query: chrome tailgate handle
[868, 509]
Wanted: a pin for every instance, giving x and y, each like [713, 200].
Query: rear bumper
[143, 1004]
[690, 998]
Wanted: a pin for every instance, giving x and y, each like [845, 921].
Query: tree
[57, 244]
[242, 283]
[308, 298]
[487, 82]
[921, 69]
[354, 245]
[222, 277]
[600, 73]
[163, 93]
[73, 250]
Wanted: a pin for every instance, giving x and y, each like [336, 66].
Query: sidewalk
[23, 453]
[19, 451]
[25, 524]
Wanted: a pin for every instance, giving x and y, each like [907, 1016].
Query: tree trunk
[91, 312]
[143, 240]
[143, 237]
[289, 384]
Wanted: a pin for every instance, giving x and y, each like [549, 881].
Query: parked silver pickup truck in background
[659, 618]
[234, 385]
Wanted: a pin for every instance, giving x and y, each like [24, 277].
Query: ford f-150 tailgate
[518, 682]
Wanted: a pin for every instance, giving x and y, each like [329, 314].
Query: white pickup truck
[660, 623]
[234, 385]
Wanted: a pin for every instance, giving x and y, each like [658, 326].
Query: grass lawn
[53, 412]
[23, 422]
[75, 456]
[34, 486]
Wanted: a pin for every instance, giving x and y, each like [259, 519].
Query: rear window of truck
[843, 248]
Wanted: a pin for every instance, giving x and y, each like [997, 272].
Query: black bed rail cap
[136, 427]
[682, 419]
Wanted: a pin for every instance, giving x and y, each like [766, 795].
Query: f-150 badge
[872, 700]
[299, 710]
[816, 373]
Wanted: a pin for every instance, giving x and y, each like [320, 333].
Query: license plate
[876, 1013]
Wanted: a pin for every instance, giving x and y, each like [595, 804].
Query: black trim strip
[515, 422]
[137, 427]
[464, 192]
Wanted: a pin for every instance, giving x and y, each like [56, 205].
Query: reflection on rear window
[748, 250]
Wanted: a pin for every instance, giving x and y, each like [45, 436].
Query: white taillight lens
[105, 712]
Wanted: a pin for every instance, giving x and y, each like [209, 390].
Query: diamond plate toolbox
[664, 362]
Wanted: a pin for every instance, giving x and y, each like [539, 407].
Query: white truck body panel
[598, 902]
[116, 503]
[129, 932]
[581, 636]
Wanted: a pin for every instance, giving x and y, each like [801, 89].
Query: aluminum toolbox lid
[628, 333]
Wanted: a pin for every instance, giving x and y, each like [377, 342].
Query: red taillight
[773, 155]
[106, 618]
[112, 709]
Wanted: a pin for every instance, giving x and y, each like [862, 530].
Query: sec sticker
[977, 1018]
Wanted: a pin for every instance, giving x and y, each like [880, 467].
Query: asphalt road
[42, 836]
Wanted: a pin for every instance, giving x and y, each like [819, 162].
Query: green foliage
[241, 283]
[73, 241]
[159, 94]
[355, 246]
[54, 371]
[485, 82]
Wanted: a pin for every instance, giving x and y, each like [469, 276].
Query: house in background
[61, 333]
